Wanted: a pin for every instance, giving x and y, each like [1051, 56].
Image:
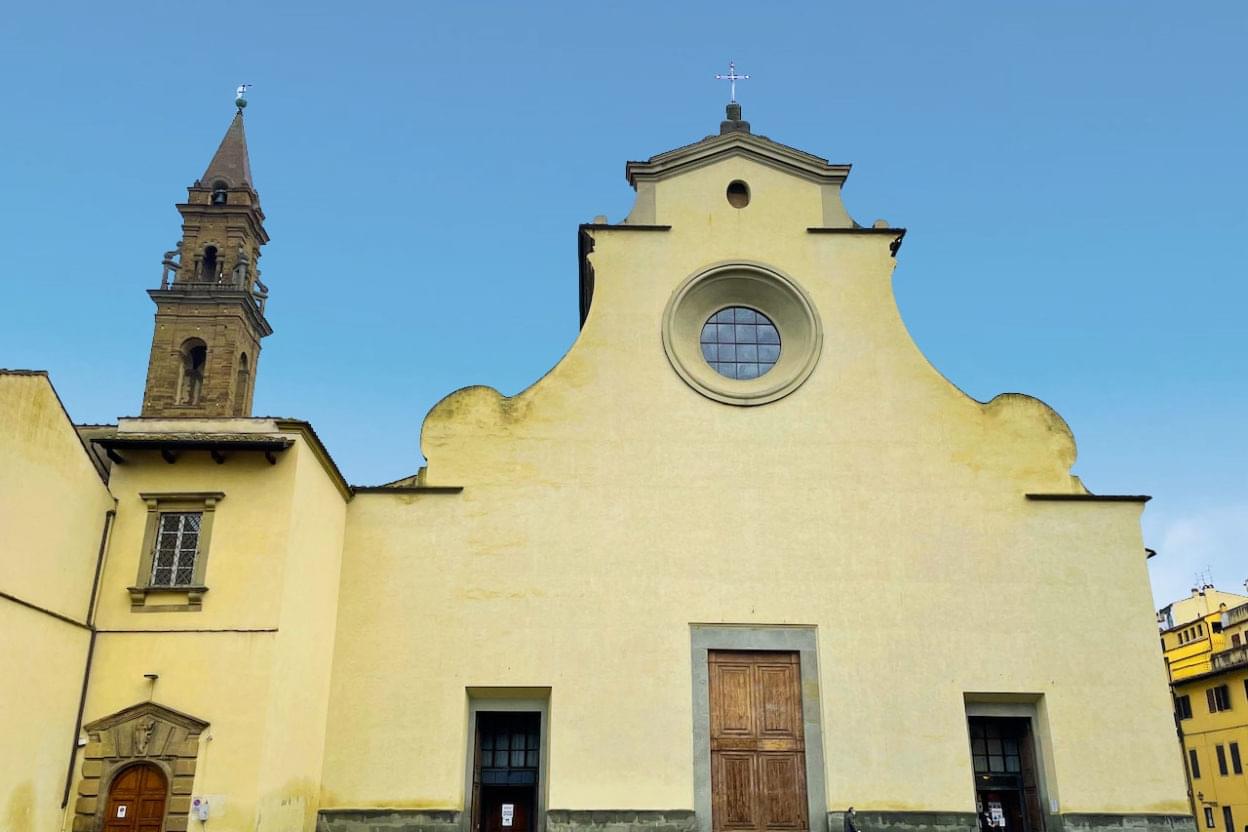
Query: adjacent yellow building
[1205, 642]
[642, 595]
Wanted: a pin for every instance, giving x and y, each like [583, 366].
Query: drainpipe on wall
[86, 670]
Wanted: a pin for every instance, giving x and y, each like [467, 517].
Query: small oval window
[738, 194]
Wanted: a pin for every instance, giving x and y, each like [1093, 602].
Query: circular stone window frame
[759, 287]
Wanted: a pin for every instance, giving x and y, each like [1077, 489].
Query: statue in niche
[143, 735]
[241, 262]
[171, 265]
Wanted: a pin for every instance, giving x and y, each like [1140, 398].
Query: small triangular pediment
[737, 143]
[154, 710]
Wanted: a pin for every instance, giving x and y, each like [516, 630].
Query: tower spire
[231, 163]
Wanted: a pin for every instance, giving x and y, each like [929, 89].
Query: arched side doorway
[136, 800]
[142, 761]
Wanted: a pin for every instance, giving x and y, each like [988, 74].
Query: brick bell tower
[210, 304]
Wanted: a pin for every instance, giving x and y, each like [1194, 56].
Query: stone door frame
[795, 638]
[144, 733]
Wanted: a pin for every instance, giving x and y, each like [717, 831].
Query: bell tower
[210, 304]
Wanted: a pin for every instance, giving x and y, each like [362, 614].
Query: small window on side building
[1195, 763]
[1221, 752]
[1237, 764]
[174, 558]
[1209, 824]
[1219, 699]
[177, 545]
[1183, 707]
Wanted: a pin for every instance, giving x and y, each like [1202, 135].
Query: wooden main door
[758, 746]
[136, 800]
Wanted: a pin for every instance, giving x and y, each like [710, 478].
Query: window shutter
[1213, 705]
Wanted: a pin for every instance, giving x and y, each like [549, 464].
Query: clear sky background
[1072, 174]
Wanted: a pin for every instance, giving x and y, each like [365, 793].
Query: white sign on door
[121, 811]
[509, 812]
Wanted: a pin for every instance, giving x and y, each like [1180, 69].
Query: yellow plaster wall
[249, 538]
[1205, 731]
[39, 693]
[610, 505]
[290, 773]
[1202, 601]
[254, 662]
[1191, 658]
[221, 677]
[52, 501]
[52, 515]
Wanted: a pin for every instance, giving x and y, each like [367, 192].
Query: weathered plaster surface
[610, 505]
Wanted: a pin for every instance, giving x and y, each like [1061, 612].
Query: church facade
[741, 560]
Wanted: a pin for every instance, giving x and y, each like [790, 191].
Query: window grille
[510, 748]
[995, 749]
[177, 544]
[739, 342]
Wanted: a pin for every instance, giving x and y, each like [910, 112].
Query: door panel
[733, 714]
[136, 800]
[735, 800]
[783, 779]
[780, 714]
[758, 765]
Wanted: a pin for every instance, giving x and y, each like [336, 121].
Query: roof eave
[715, 148]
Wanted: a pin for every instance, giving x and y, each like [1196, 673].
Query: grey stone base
[1135, 823]
[966, 822]
[622, 820]
[388, 820]
[907, 821]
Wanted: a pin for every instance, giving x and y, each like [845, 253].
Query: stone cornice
[758, 148]
[195, 294]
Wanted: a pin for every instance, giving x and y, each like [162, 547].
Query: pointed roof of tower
[231, 162]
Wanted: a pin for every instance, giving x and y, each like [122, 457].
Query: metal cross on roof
[732, 78]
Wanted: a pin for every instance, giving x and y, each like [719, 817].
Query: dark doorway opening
[1007, 790]
[505, 771]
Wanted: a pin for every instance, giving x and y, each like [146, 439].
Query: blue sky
[1072, 175]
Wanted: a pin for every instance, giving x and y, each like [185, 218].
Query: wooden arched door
[136, 800]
